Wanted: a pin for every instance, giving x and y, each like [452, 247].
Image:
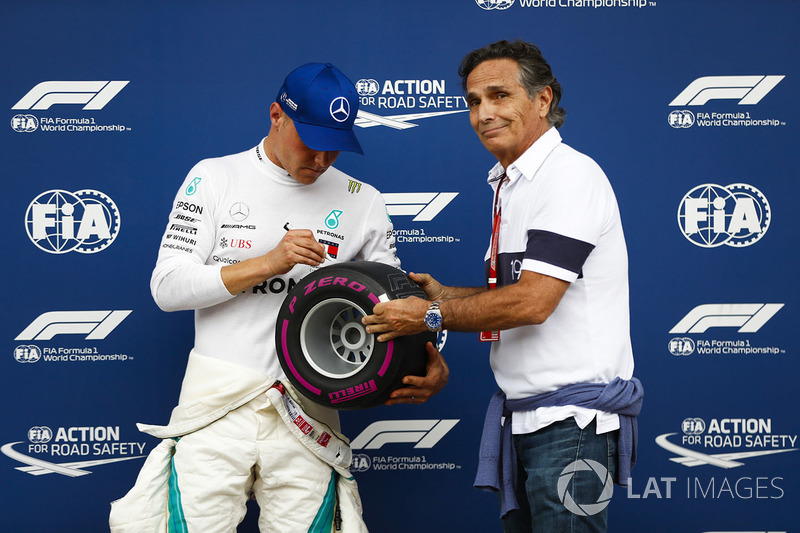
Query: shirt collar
[529, 162]
[273, 171]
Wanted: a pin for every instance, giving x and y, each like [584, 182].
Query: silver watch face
[433, 320]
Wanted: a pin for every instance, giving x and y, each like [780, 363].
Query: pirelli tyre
[325, 350]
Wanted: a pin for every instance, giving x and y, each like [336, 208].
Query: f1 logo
[747, 317]
[95, 94]
[423, 206]
[749, 90]
[423, 433]
[96, 324]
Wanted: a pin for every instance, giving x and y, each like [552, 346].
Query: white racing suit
[229, 446]
[227, 438]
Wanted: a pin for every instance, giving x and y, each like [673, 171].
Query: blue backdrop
[687, 105]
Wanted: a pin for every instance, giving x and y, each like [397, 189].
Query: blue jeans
[562, 479]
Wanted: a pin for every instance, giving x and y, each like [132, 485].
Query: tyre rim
[333, 340]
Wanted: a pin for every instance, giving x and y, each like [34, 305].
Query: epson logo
[749, 318]
[422, 433]
[423, 206]
[748, 90]
[94, 94]
[96, 325]
[192, 208]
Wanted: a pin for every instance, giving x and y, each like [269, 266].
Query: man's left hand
[399, 317]
[420, 389]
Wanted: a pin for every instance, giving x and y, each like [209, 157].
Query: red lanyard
[495, 245]
[493, 336]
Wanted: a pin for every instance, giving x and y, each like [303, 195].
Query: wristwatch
[433, 318]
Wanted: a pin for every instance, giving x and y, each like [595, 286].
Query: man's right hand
[297, 247]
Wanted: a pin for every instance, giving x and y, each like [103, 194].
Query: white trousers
[201, 482]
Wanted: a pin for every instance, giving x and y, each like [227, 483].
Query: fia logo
[85, 221]
[711, 215]
[24, 123]
[681, 119]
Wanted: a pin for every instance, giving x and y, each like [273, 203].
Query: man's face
[506, 120]
[301, 162]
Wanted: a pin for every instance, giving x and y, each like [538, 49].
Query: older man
[230, 253]
[555, 307]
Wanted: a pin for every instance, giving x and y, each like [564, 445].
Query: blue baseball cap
[323, 103]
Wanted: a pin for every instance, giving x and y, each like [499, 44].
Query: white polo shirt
[560, 218]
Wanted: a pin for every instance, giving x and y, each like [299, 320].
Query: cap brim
[325, 139]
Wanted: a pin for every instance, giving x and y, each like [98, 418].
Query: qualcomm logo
[595, 471]
[96, 325]
[422, 433]
[748, 90]
[489, 5]
[94, 94]
[734, 433]
[711, 215]
[85, 221]
[423, 206]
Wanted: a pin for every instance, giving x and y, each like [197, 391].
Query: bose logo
[749, 90]
[747, 317]
[96, 324]
[423, 206]
[424, 433]
[95, 94]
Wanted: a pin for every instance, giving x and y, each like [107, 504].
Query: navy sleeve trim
[558, 250]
